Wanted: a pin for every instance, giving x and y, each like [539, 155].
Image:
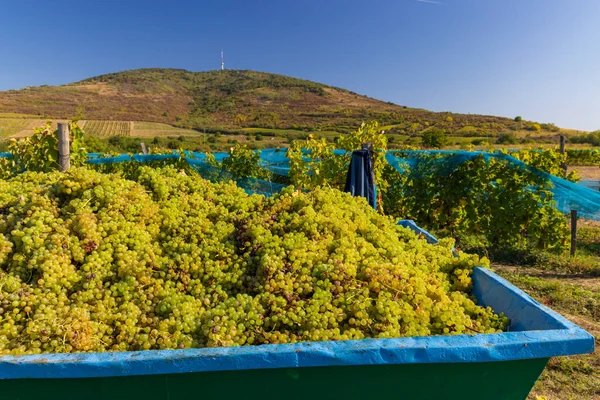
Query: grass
[576, 377]
[10, 126]
[16, 115]
[289, 132]
[570, 286]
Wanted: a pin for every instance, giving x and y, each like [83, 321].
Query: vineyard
[178, 251]
[107, 128]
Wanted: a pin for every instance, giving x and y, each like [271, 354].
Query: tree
[518, 118]
[507, 138]
[435, 139]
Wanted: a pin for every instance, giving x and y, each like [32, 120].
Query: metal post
[573, 232]
[64, 152]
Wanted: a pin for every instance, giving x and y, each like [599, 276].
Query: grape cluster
[167, 260]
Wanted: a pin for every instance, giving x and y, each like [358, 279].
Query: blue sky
[535, 58]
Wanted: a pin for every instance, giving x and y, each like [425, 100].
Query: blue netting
[276, 161]
[584, 197]
[568, 195]
[198, 162]
[250, 185]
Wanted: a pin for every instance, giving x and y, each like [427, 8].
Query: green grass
[560, 294]
[10, 126]
[285, 132]
[575, 377]
[151, 126]
[152, 129]
[15, 115]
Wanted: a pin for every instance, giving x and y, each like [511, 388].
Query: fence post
[64, 151]
[573, 232]
[144, 149]
[562, 151]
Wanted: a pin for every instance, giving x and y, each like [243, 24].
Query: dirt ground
[585, 172]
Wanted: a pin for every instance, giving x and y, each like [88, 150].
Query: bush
[534, 127]
[181, 138]
[258, 137]
[506, 138]
[518, 118]
[156, 140]
[115, 140]
[434, 139]
[592, 138]
[550, 127]
[467, 131]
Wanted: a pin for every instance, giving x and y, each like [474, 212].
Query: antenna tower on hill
[222, 61]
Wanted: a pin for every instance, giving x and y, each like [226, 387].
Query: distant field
[21, 125]
[106, 128]
[10, 126]
[292, 132]
[156, 129]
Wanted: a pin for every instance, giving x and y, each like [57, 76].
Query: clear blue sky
[535, 58]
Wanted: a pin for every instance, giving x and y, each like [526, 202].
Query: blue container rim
[542, 333]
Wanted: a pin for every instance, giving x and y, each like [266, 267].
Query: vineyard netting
[415, 164]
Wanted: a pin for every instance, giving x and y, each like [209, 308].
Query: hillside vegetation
[237, 101]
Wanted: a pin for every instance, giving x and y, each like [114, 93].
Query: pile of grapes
[166, 260]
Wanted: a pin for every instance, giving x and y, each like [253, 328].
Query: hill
[236, 101]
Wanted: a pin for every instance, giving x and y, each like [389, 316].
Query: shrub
[467, 131]
[435, 139]
[115, 140]
[592, 138]
[518, 118]
[506, 138]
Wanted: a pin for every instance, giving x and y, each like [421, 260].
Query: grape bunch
[161, 259]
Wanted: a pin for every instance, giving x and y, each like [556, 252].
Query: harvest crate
[488, 366]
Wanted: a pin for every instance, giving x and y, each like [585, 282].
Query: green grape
[158, 259]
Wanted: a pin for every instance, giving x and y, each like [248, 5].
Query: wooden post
[144, 149]
[573, 232]
[64, 151]
[562, 151]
